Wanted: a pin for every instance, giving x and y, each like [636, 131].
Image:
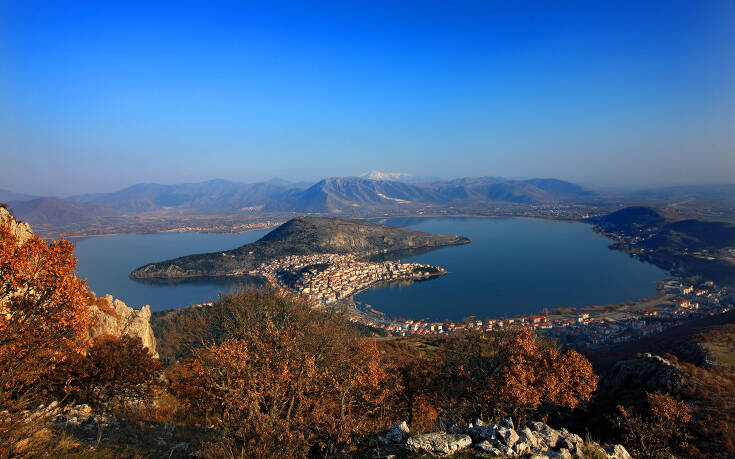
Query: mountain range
[331, 195]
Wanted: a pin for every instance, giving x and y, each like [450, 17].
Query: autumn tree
[112, 371]
[282, 379]
[43, 311]
[491, 375]
[659, 431]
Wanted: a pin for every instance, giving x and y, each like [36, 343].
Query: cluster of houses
[592, 330]
[327, 278]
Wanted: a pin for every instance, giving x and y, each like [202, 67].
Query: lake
[106, 262]
[513, 266]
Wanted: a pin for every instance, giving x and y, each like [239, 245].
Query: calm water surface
[106, 262]
[512, 266]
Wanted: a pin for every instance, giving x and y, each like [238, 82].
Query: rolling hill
[299, 236]
[203, 197]
[42, 211]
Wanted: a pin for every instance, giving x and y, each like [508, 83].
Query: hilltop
[688, 247]
[299, 236]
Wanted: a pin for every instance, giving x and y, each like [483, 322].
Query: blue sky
[95, 96]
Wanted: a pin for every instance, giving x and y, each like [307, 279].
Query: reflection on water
[513, 266]
[245, 281]
[106, 262]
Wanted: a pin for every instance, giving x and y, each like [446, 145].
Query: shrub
[43, 313]
[660, 432]
[513, 374]
[114, 370]
[284, 380]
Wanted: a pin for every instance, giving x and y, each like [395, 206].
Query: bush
[44, 313]
[115, 370]
[493, 375]
[283, 380]
[658, 433]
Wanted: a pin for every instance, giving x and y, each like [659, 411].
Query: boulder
[536, 426]
[651, 373]
[483, 432]
[116, 318]
[509, 437]
[438, 443]
[487, 447]
[549, 454]
[507, 423]
[110, 317]
[549, 436]
[616, 452]
[394, 434]
[20, 229]
[526, 436]
[572, 442]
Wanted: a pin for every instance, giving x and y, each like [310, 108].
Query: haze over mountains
[330, 195]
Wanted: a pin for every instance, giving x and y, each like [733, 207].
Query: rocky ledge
[537, 440]
[119, 319]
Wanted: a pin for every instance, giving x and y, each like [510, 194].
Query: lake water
[106, 262]
[512, 266]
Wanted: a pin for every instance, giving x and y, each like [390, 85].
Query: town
[680, 302]
[327, 278]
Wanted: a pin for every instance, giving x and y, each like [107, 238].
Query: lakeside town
[327, 278]
[677, 303]
[334, 279]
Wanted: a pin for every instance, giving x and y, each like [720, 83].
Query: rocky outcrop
[537, 440]
[20, 229]
[396, 433]
[438, 443]
[116, 318]
[652, 373]
[109, 316]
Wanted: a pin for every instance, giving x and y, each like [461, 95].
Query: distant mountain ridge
[59, 211]
[298, 236]
[330, 195]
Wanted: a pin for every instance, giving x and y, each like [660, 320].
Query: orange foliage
[496, 375]
[296, 381]
[114, 369]
[43, 311]
[660, 432]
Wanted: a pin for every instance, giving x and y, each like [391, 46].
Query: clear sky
[95, 96]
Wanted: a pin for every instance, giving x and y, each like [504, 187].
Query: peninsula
[303, 237]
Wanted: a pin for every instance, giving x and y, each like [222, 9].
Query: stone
[536, 426]
[509, 437]
[549, 436]
[549, 454]
[116, 319]
[438, 443]
[526, 436]
[119, 319]
[507, 423]
[651, 373]
[487, 447]
[521, 448]
[616, 452]
[18, 228]
[394, 434]
[481, 433]
[571, 441]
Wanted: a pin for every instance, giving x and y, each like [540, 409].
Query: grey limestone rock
[438, 443]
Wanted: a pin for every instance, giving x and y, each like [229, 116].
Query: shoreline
[204, 230]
